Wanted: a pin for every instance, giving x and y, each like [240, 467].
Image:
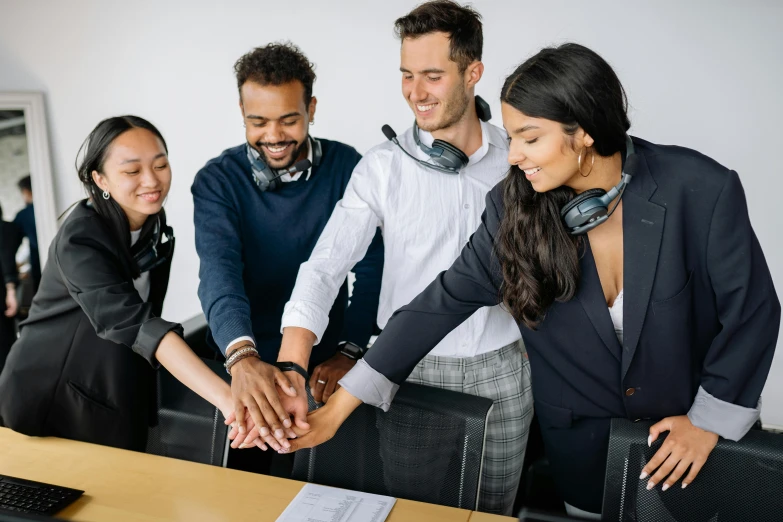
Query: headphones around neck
[445, 156]
[590, 208]
[268, 180]
[151, 251]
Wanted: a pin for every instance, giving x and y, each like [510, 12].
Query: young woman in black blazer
[691, 338]
[84, 366]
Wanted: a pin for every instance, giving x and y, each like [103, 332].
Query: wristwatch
[287, 366]
[351, 350]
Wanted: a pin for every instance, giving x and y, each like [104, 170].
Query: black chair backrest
[741, 481]
[428, 447]
[189, 428]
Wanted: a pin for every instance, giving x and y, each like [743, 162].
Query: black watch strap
[287, 366]
[351, 350]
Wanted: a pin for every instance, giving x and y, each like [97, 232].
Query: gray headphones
[591, 208]
[445, 156]
[268, 180]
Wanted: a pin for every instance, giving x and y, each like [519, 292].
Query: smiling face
[136, 173]
[435, 89]
[542, 149]
[276, 121]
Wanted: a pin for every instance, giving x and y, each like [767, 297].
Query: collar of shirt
[427, 139]
[287, 178]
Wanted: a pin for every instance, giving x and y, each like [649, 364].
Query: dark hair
[93, 152]
[26, 184]
[575, 87]
[276, 64]
[462, 24]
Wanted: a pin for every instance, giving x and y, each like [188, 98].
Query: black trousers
[577, 457]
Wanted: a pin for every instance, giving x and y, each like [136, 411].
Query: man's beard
[259, 146]
[455, 109]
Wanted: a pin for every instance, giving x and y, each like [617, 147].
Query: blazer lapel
[591, 297]
[642, 231]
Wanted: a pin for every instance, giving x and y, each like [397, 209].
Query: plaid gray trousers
[503, 376]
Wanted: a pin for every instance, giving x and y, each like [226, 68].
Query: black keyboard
[26, 496]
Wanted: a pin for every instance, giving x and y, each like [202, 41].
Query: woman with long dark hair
[83, 367]
[632, 269]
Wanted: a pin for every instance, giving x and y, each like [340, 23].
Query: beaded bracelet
[240, 353]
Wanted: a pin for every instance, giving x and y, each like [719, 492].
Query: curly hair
[462, 24]
[276, 64]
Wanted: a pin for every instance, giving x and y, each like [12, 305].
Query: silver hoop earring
[106, 195]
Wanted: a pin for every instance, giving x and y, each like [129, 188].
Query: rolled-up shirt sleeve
[91, 270]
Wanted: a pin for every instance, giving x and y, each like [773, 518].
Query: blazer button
[629, 392]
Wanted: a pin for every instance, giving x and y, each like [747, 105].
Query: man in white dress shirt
[427, 215]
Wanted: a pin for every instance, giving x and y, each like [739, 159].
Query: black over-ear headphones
[590, 208]
[154, 246]
[269, 181]
[446, 157]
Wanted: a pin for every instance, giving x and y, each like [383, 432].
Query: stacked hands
[268, 408]
[272, 407]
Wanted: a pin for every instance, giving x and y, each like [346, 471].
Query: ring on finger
[319, 381]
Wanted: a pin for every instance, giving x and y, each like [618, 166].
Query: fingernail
[650, 485]
[279, 434]
[287, 423]
[283, 450]
[293, 390]
[649, 441]
[643, 475]
[243, 446]
[665, 487]
[241, 429]
[684, 485]
[264, 432]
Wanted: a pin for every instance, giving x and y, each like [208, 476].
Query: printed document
[316, 503]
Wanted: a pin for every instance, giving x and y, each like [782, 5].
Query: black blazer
[700, 309]
[83, 365]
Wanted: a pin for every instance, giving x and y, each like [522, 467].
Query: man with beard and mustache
[427, 217]
[255, 223]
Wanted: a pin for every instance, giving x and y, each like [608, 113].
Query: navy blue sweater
[251, 244]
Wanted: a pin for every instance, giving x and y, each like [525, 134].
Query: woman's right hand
[324, 422]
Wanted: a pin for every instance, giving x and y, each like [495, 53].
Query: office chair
[741, 481]
[189, 428]
[428, 447]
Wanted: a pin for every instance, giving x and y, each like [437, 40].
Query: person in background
[25, 220]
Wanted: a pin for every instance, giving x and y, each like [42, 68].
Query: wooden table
[475, 516]
[124, 485]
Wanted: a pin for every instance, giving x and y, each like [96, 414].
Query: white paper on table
[316, 503]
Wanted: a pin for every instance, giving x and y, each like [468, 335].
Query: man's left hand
[685, 446]
[323, 381]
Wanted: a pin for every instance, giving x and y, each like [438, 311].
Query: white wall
[701, 74]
